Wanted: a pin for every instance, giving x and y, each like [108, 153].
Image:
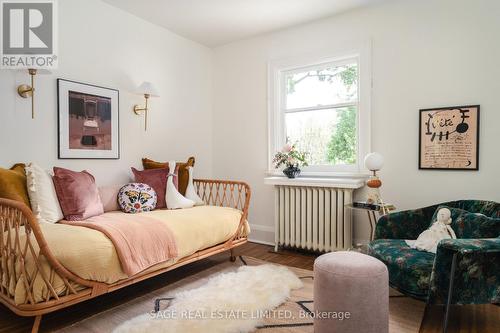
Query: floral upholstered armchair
[465, 270]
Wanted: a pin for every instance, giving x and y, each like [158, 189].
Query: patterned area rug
[291, 317]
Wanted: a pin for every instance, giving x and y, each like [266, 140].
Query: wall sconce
[148, 90]
[25, 90]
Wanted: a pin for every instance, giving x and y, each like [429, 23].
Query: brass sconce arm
[147, 90]
[138, 110]
[26, 91]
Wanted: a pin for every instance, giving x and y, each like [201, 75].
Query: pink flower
[287, 148]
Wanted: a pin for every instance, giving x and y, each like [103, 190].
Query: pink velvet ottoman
[351, 294]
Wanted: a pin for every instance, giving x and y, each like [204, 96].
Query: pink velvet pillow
[77, 193]
[157, 179]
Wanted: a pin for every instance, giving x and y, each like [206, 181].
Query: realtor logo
[28, 34]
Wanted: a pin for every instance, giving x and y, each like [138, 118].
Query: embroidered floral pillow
[137, 198]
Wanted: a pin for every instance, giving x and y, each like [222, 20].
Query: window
[317, 106]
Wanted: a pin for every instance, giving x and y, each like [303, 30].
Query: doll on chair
[441, 229]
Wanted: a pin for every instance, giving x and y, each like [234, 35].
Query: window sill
[341, 182]
[322, 174]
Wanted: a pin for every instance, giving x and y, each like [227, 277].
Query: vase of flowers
[291, 158]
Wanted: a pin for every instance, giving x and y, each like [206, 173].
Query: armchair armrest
[476, 278]
[466, 246]
[406, 224]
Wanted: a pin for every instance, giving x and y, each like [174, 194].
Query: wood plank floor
[463, 319]
[470, 319]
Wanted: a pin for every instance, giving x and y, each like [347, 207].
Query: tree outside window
[320, 111]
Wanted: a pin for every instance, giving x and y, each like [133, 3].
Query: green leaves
[342, 146]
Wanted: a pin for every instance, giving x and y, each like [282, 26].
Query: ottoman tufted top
[350, 263]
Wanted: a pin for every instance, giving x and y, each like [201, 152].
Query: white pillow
[190, 190]
[42, 194]
[173, 198]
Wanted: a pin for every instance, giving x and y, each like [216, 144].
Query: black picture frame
[475, 108]
[63, 127]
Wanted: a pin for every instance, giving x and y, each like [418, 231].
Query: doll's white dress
[429, 239]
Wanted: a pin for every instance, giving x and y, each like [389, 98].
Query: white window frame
[277, 132]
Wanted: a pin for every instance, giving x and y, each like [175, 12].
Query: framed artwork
[88, 119]
[449, 138]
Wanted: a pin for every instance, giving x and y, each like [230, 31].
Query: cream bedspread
[91, 255]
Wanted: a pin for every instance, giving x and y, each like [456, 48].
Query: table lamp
[374, 162]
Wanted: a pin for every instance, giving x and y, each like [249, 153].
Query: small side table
[372, 217]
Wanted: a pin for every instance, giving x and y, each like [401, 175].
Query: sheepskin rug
[227, 303]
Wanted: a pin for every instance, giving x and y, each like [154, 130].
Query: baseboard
[261, 227]
[262, 234]
[362, 242]
[260, 242]
[268, 232]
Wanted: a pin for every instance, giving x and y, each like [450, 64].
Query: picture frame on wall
[88, 121]
[449, 138]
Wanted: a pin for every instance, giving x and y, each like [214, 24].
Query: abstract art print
[88, 121]
[449, 138]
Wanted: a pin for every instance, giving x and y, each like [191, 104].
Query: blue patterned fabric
[471, 225]
[409, 269]
[411, 223]
[426, 276]
[477, 274]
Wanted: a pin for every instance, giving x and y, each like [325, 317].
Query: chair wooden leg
[36, 324]
[232, 256]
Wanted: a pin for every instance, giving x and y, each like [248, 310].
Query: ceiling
[217, 22]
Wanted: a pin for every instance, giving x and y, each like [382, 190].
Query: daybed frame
[14, 215]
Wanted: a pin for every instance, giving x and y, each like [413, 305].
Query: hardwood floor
[470, 319]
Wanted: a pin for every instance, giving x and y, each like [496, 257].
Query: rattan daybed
[22, 240]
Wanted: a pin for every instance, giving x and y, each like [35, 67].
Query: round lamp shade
[147, 88]
[374, 161]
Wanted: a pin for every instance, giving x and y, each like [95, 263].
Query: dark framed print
[88, 119]
[449, 138]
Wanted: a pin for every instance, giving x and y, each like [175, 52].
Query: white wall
[425, 53]
[105, 46]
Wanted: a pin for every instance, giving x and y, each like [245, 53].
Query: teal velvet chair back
[409, 224]
[488, 208]
[486, 225]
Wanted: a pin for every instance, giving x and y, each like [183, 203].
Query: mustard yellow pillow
[13, 184]
[182, 167]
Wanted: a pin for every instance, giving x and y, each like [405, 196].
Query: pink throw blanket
[140, 242]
